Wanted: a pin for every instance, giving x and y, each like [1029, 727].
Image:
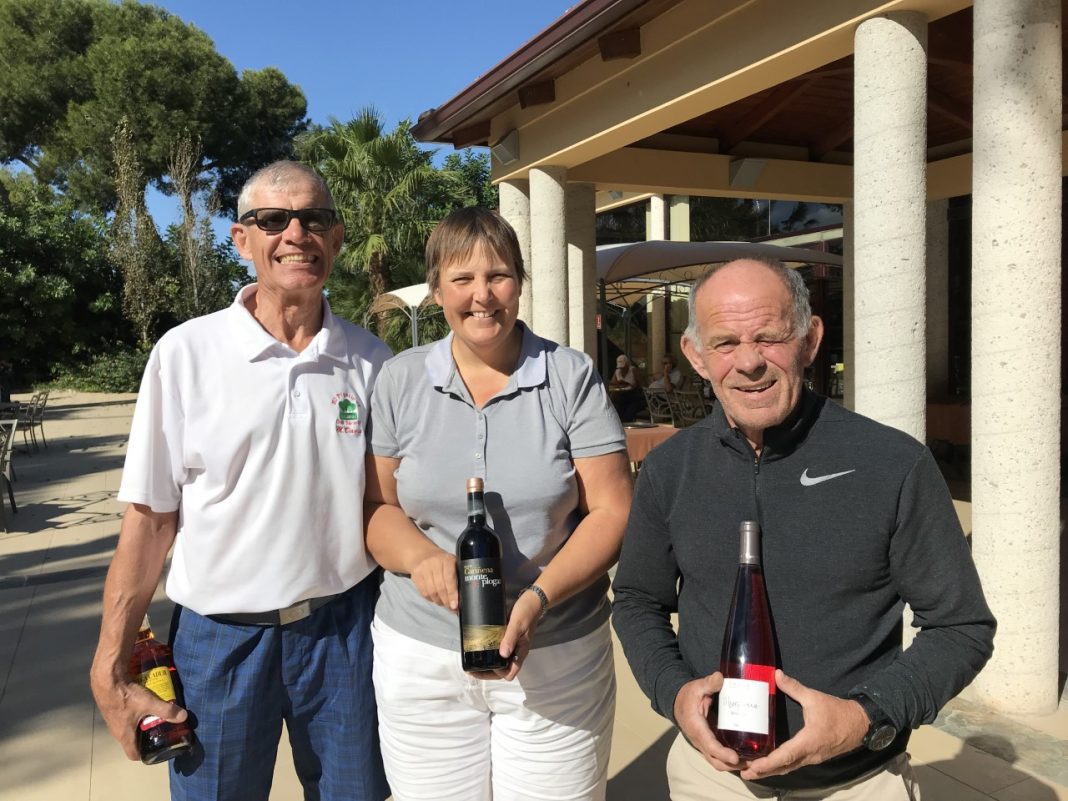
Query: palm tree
[388, 191]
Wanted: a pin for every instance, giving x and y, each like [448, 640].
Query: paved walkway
[54, 746]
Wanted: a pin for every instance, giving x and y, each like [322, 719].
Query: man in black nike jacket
[856, 521]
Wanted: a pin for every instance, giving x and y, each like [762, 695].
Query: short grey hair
[801, 313]
[282, 174]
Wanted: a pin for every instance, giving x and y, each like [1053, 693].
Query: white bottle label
[743, 706]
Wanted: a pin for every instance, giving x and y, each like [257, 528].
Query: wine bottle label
[481, 604]
[743, 706]
[764, 673]
[158, 681]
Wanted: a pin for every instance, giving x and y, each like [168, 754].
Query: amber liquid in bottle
[152, 666]
[481, 582]
[743, 714]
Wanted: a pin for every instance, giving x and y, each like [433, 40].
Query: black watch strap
[881, 730]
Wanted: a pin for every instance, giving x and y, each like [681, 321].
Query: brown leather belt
[276, 617]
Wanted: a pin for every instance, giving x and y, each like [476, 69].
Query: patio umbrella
[409, 299]
[673, 262]
[661, 261]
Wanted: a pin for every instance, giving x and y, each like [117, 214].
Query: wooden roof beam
[760, 114]
[537, 94]
[477, 134]
[949, 108]
[625, 43]
[831, 140]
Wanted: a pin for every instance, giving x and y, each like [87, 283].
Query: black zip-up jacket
[856, 520]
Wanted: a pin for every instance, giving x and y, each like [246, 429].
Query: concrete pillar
[937, 295]
[890, 203]
[657, 317]
[656, 218]
[849, 353]
[582, 267]
[1016, 344]
[679, 218]
[548, 252]
[515, 207]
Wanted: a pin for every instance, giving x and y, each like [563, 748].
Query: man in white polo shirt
[247, 454]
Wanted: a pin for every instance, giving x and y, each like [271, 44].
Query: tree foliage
[390, 196]
[206, 281]
[136, 247]
[72, 69]
[60, 296]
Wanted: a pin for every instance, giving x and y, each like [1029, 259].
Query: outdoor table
[642, 438]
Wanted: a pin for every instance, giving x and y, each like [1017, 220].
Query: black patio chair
[658, 404]
[691, 406]
[38, 417]
[7, 445]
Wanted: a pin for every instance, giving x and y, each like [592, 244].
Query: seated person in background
[625, 376]
[625, 391]
[670, 377]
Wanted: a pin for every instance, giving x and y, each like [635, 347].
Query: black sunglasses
[317, 221]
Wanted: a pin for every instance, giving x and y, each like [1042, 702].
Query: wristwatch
[881, 731]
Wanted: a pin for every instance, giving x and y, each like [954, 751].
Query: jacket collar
[780, 440]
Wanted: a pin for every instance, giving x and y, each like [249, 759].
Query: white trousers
[446, 736]
[692, 779]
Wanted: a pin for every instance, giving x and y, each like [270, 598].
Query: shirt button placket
[298, 402]
[480, 444]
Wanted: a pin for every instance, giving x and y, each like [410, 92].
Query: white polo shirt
[261, 449]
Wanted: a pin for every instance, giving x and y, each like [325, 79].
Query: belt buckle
[291, 614]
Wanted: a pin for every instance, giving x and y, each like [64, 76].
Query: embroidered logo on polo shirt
[348, 413]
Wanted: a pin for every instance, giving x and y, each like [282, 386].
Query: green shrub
[118, 371]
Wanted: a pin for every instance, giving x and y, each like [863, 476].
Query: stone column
[582, 267]
[937, 294]
[548, 252]
[890, 202]
[657, 308]
[679, 218]
[849, 353]
[1016, 344]
[515, 207]
[656, 218]
[657, 317]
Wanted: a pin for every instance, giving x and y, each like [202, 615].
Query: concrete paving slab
[55, 747]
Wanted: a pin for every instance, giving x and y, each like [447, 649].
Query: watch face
[882, 737]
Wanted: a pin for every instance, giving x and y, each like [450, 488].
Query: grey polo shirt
[522, 443]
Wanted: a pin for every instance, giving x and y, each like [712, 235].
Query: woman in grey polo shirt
[533, 420]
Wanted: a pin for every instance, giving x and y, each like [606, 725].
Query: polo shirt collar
[255, 343]
[531, 370]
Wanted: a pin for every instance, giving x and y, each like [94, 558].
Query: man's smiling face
[295, 262]
[749, 351]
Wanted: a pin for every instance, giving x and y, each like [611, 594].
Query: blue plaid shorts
[240, 682]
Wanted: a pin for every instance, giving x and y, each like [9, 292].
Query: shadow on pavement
[644, 779]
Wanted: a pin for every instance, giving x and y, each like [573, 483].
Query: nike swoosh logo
[811, 481]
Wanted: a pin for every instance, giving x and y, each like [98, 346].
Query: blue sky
[401, 56]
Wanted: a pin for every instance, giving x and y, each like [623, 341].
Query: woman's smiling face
[480, 298]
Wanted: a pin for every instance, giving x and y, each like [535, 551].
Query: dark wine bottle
[743, 716]
[152, 666]
[481, 581]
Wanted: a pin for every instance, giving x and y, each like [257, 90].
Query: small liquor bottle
[152, 666]
[743, 716]
[481, 582]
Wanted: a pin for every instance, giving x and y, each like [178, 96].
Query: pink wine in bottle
[743, 716]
